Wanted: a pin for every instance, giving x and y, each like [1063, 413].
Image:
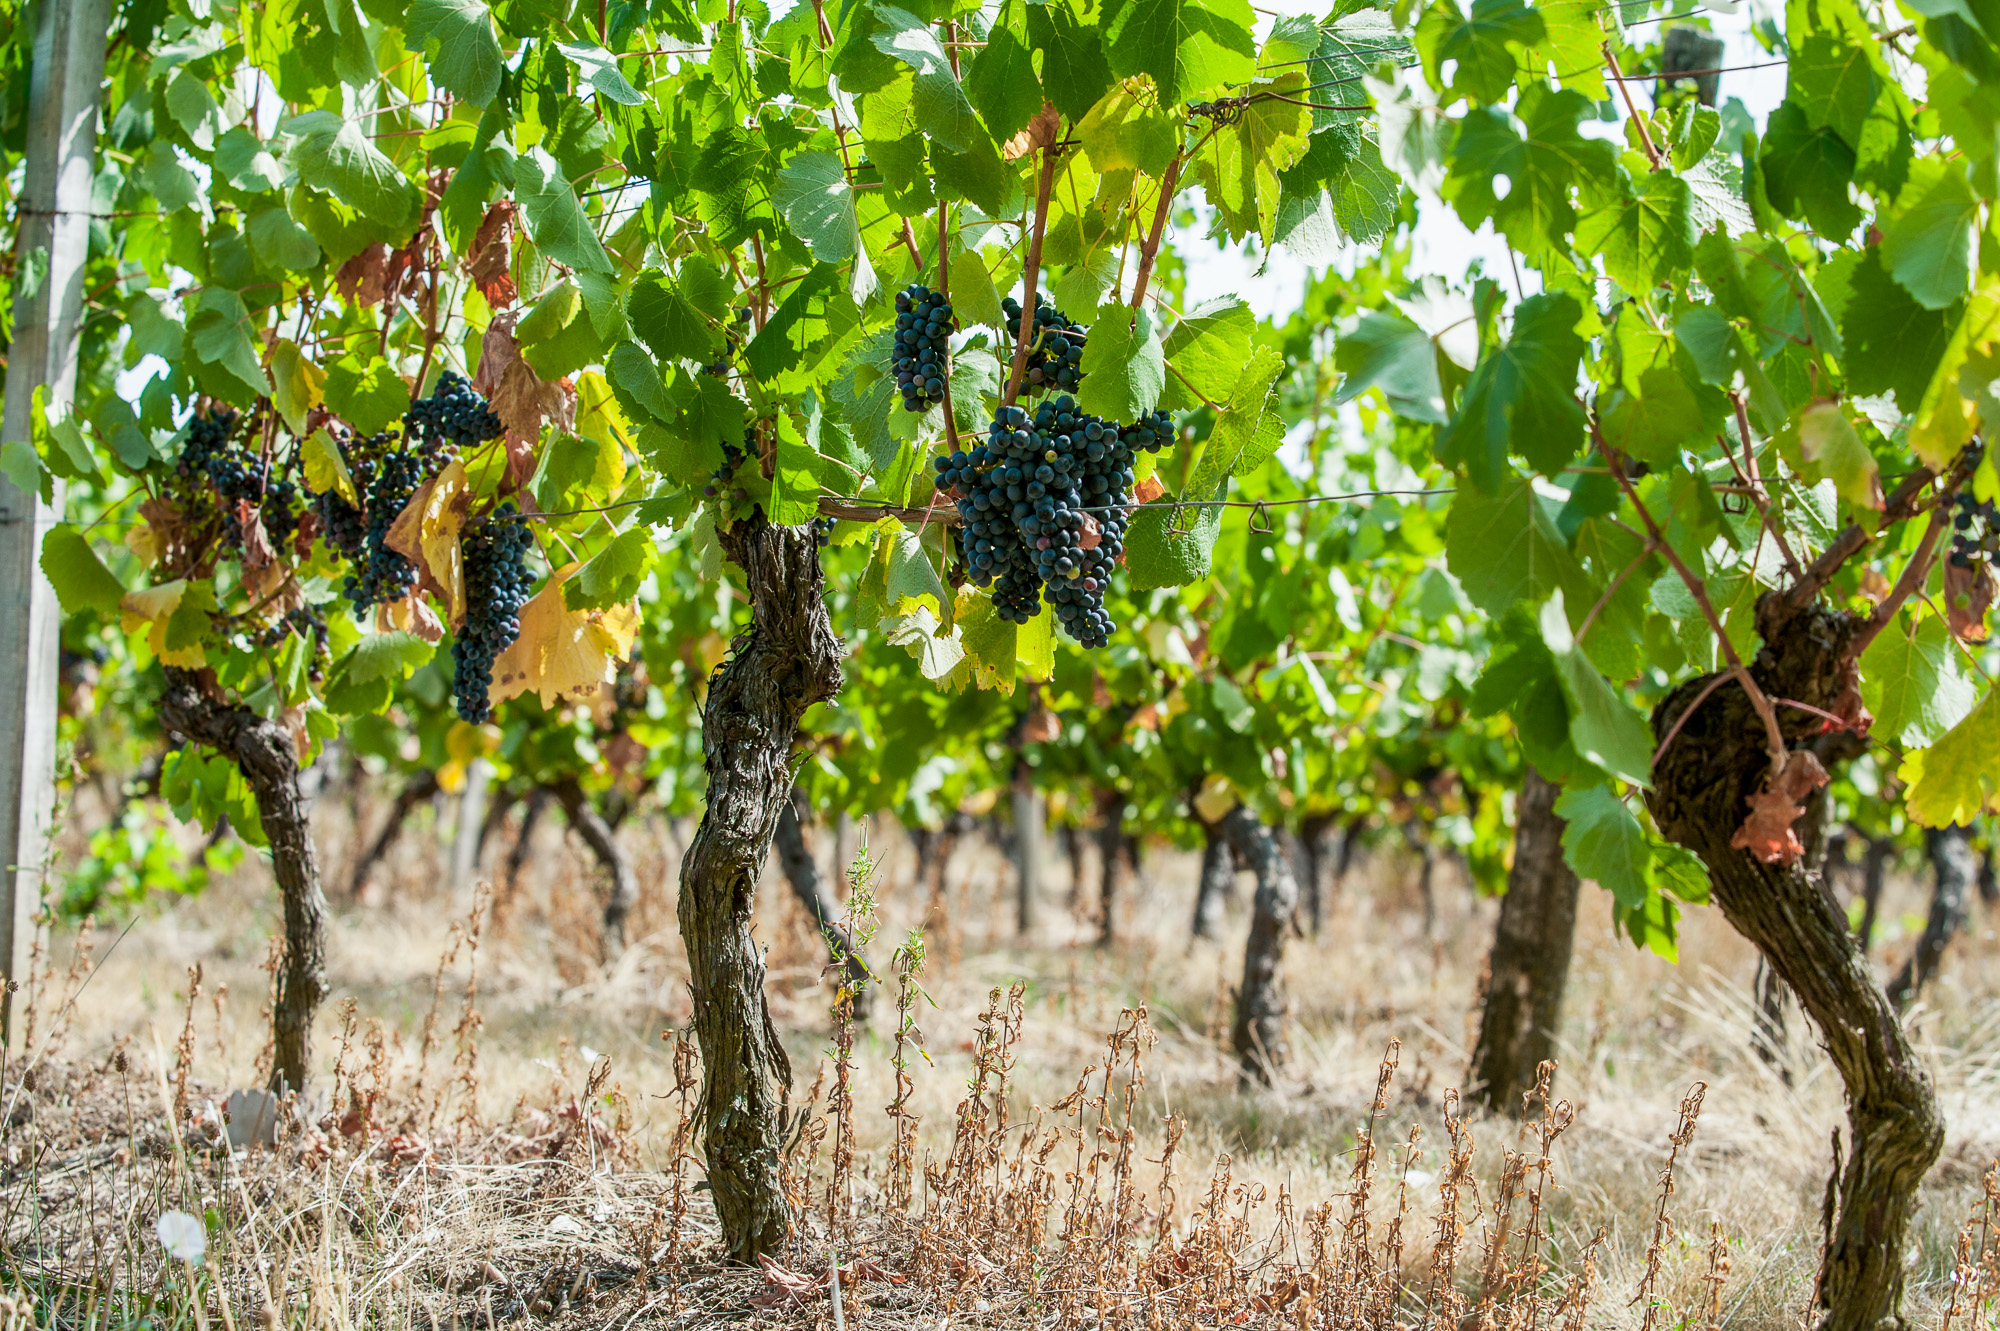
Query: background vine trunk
[1531, 952]
[1955, 869]
[1261, 1004]
[263, 751]
[809, 886]
[602, 839]
[1218, 881]
[1700, 786]
[785, 662]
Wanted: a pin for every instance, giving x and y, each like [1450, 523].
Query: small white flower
[182, 1235]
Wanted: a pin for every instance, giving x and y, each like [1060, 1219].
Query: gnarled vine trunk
[1955, 866]
[1700, 786]
[1531, 951]
[263, 751]
[785, 662]
[1262, 1007]
[1218, 881]
[809, 886]
[602, 839]
[1110, 848]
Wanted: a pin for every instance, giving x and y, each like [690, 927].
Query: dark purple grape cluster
[722, 479]
[823, 531]
[1975, 532]
[1055, 353]
[922, 358]
[386, 471]
[494, 551]
[244, 483]
[1044, 504]
[307, 622]
[452, 415]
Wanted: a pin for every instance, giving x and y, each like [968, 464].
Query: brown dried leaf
[257, 551]
[490, 261]
[1767, 832]
[1969, 593]
[1042, 131]
[1040, 726]
[364, 279]
[1092, 535]
[783, 1287]
[413, 615]
[1146, 491]
[523, 401]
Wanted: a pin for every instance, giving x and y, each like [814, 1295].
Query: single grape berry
[921, 360]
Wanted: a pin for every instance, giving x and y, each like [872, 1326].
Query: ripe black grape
[823, 531]
[453, 416]
[243, 483]
[1044, 504]
[1055, 355]
[922, 358]
[1975, 535]
[494, 552]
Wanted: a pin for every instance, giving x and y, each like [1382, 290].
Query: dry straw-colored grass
[1029, 1132]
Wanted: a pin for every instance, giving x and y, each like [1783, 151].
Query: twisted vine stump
[1895, 1128]
[785, 662]
[1532, 943]
[263, 751]
[1262, 1006]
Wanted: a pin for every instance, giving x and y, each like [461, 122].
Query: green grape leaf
[1645, 231]
[1913, 683]
[1075, 70]
[1604, 843]
[1388, 352]
[1829, 442]
[612, 576]
[1806, 171]
[1483, 45]
[1208, 349]
[1000, 82]
[1505, 548]
[1928, 245]
[1958, 778]
[464, 52]
[937, 100]
[600, 70]
[79, 577]
[1123, 366]
[1187, 46]
[666, 320]
[1603, 727]
[336, 155]
[1522, 397]
[1540, 166]
[1893, 344]
[554, 215]
[392, 656]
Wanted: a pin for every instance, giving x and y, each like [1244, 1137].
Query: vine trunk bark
[602, 839]
[1700, 787]
[785, 662]
[263, 751]
[1261, 1003]
[1110, 848]
[1218, 881]
[1955, 866]
[1531, 952]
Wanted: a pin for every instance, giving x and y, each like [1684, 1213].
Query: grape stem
[1773, 736]
[1912, 577]
[1149, 248]
[944, 289]
[1625, 91]
[1025, 326]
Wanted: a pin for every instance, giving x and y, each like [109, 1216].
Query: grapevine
[493, 550]
[922, 358]
[1044, 506]
[1055, 355]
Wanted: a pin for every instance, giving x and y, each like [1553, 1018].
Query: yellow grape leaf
[326, 469]
[1215, 798]
[409, 615]
[426, 533]
[563, 655]
[144, 542]
[1035, 645]
[297, 385]
[597, 415]
[154, 609]
[1958, 778]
